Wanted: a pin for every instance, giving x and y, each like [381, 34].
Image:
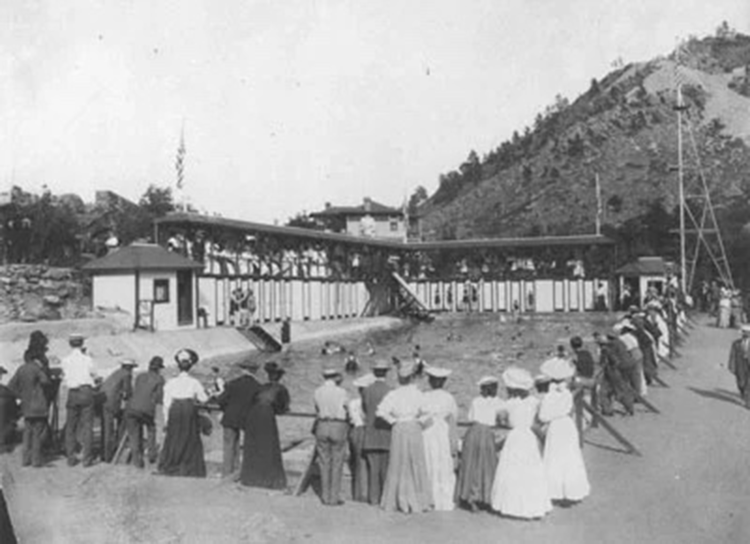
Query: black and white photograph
[333, 271]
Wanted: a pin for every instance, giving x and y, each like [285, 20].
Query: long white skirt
[520, 487]
[439, 462]
[563, 462]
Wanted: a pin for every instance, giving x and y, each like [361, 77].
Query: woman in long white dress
[407, 487]
[563, 460]
[520, 486]
[440, 439]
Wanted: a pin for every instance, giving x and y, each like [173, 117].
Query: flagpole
[180, 168]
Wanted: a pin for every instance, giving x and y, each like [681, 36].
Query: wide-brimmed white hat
[487, 380]
[406, 369]
[518, 378]
[437, 372]
[557, 369]
[364, 381]
[745, 327]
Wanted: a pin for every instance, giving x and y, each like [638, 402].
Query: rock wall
[36, 293]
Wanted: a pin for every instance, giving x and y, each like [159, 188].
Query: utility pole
[681, 182]
[598, 204]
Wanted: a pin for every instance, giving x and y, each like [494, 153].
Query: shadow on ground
[719, 394]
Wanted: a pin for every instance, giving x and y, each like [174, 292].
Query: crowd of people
[404, 442]
[520, 454]
[126, 405]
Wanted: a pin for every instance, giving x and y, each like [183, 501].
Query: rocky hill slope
[623, 130]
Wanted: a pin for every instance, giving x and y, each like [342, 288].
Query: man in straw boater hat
[116, 390]
[377, 434]
[331, 429]
[140, 412]
[236, 401]
[79, 376]
[739, 363]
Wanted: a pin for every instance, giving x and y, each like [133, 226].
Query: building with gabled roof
[370, 219]
[156, 286]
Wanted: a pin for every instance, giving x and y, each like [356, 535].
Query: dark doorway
[185, 297]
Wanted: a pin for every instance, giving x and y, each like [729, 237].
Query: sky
[288, 105]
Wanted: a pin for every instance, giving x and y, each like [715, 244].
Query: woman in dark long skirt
[476, 472]
[262, 465]
[182, 453]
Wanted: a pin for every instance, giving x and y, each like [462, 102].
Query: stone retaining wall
[36, 293]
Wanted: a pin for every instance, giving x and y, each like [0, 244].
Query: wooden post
[666, 361]
[578, 406]
[610, 428]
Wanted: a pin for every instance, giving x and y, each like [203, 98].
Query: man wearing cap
[79, 377]
[140, 411]
[331, 429]
[377, 440]
[29, 384]
[117, 389]
[236, 401]
[739, 363]
[8, 415]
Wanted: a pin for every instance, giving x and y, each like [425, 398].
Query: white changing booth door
[207, 299]
[515, 296]
[296, 300]
[545, 296]
[485, 296]
[560, 290]
[316, 296]
[589, 296]
[501, 296]
[574, 295]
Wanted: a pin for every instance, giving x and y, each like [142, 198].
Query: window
[394, 225]
[161, 291]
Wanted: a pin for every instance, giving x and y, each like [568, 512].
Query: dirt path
[691, 486]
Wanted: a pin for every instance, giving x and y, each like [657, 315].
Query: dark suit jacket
[619, 351]
[8, 413]
[377, 430]
[739, 364]
[237, 399]
[118, 387]
[147, 393]
[28, 384]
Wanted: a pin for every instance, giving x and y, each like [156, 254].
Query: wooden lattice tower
[699, 230]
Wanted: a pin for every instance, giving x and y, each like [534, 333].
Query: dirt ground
[690, 486]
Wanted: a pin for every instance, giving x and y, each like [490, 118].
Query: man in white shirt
[331, 428]
[79, 378]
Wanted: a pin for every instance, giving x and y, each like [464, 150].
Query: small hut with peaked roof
[157, 287]
[643, 273]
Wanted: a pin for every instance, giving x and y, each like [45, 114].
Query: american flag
[179, 163]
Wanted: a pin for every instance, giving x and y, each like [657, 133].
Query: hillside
[624, 129]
